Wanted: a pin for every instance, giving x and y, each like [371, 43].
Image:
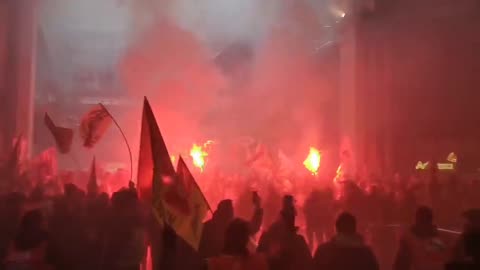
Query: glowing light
[172, 158]
[421, 165]
[445, 166]
[339, 174]
[338, 12]
[312, 163]
[198, 155]
[452, 157]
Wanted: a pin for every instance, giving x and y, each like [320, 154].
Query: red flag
[94, 125]
[153, 157]
[92, 186]
[63, 136]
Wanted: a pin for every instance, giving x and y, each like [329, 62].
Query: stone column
[18, 68]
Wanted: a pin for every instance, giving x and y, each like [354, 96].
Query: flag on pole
[92, 186]
[94, 125]
[186, 202]
[154, 164]
[176, 198]
[63, 136]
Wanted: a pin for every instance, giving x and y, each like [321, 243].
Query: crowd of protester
[348, 225]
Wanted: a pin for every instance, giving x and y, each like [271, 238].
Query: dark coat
[285, 249]
[345, 253]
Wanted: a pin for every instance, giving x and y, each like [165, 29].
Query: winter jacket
[345, 252]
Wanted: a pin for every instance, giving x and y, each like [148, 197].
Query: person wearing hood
[346, 250]
[281, 243]
[422, 247]
[212, 240]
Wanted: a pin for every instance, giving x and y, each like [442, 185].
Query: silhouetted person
[125, 235]
[471, 229]
[235, 254]
[346, 250]
[11, 211]
[28, 250]
[471, 260]
[421, 247]
[69, 242]
[284, 247]
[318, 210]
[212, 240]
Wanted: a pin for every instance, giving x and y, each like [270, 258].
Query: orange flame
[339, 174]
[312, 163]
[198, 155]
[172, 158]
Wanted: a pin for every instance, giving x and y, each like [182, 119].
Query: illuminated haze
[230, 68]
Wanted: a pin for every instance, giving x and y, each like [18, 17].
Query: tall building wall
[18, 32]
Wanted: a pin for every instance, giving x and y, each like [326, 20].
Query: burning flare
[198, 155]
[339, 174]
[312, 163]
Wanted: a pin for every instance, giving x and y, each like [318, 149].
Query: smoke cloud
[225, 69]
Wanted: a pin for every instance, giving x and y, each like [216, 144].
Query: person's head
[346, 224]
[472, 218]
[123, 200]
[472, 245]
[424, 216]
[225, 210]
[237, 236]
[31, 232]
[131, 185]
[289, 212]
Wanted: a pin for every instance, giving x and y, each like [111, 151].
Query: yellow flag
[187, 206]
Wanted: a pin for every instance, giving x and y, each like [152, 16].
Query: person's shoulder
[461, 266]
[259, 260]
[325, 247]
[299, 238]
[258, 257]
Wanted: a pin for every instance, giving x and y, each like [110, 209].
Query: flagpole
[124, 138]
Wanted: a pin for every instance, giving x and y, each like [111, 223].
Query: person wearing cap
[422, 247]
[346, 250]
